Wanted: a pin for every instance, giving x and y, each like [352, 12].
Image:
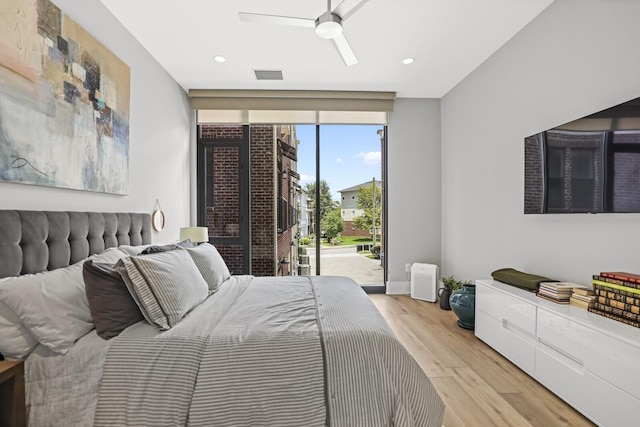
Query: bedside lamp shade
[195, 234]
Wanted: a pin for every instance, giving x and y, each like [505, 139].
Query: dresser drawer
[502, 306]
[507, 339]
[598, 400]
[599, 353]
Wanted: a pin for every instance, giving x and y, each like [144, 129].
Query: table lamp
[197, 235]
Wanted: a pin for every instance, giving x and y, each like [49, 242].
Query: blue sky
[349, 155]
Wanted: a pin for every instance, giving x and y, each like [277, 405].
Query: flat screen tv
[589, 165]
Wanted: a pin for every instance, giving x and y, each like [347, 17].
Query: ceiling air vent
[268, 74]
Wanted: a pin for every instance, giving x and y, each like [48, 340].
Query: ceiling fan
[327, 26]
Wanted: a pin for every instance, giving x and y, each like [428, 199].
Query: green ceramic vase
[463, 304]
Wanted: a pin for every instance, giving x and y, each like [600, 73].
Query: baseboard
[398, 288]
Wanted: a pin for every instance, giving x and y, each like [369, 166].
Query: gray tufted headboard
[35, 241]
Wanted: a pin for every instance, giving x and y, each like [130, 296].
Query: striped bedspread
[267, 351]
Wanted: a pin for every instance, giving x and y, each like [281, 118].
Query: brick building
[250, 195]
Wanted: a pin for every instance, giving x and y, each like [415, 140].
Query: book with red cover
[622, 275]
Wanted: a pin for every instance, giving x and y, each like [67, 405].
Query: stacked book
[583, 298]
[617, 296]
[558, 292]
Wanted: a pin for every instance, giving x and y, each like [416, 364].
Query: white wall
[576, 58]
[413, 188]
[160, 130]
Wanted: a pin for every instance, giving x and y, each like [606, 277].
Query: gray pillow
[112, 307]
[165, 285]
[211, 265]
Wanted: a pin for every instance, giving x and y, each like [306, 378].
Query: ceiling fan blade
[345, 50]
[348, 8]
[277, 20]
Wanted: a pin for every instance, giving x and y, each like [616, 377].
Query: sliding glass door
[342, 177]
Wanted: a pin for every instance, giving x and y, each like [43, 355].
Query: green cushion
[517, 278]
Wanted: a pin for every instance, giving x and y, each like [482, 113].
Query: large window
[257, 194]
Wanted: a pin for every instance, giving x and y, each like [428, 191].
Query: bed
[195, 345]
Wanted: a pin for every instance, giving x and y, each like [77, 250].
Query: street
[346, 261]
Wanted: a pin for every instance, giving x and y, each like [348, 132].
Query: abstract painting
[64, 102]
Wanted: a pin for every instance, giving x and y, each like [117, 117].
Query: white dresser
[591, 362]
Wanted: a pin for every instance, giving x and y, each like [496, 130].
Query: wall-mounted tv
[589, 165]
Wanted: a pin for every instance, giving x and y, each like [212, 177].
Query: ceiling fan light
[328, 26]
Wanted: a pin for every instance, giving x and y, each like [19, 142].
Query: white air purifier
[424, 281]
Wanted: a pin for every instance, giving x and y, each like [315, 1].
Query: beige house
[349, 210]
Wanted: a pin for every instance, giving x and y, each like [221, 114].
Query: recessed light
[407, 61]
[219, 58]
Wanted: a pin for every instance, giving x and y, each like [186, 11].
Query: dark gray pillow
[154, 249]
[112, 307]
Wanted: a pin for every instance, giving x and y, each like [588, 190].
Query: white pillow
[211, 265]
[165, 285]
[15, 341]
[53, 305]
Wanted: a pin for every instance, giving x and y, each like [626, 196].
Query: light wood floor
[479, 386]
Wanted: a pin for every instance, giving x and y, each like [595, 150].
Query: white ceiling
[447, 38]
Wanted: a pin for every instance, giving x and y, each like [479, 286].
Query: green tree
[332, 224]
[370, 201]
[326, 204]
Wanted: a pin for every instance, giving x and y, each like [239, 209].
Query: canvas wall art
[64, 102]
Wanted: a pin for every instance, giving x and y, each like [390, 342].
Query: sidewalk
[346, 261]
